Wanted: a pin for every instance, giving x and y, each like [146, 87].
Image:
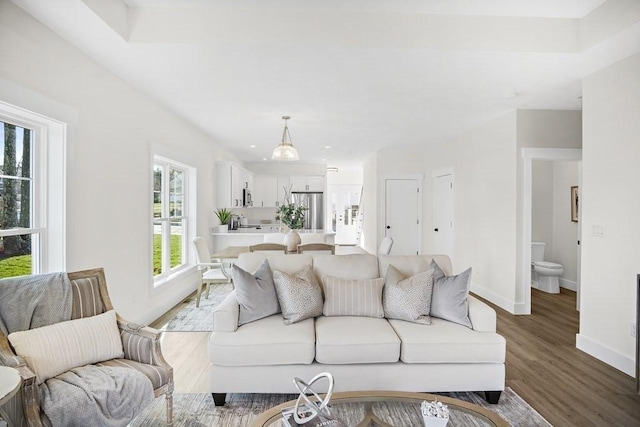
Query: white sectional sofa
[362, 353]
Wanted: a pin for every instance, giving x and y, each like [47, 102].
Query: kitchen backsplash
[257, 215]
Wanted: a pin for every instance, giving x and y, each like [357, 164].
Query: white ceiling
[358, 76]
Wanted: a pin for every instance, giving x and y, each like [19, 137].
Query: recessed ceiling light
[327, 146]
[324, 160]
[264, 158]
[253, 145]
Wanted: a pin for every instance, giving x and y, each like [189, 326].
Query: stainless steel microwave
[246, 198]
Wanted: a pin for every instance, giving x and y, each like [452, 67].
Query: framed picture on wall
[574, 204]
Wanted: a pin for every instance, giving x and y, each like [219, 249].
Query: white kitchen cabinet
[269, 190]
[232, 179]
[265, 191]
[307, 183]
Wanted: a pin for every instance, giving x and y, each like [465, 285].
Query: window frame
[48, 198]
[187, 217]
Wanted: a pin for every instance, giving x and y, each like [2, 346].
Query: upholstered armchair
[141, 347]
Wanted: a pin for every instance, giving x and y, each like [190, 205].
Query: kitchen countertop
[253, 231]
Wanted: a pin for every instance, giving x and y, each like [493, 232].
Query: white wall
[109, 159]
[564, 249]
[484, 168]
[369, 204]
[346, 176]
[542, 204]
[611, 149]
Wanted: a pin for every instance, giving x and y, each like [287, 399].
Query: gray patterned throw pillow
[300, 295]
[407, 298]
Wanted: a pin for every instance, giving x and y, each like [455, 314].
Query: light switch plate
[598, 231]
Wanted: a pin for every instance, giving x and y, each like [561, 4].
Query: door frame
[528, 156]
[382, 205]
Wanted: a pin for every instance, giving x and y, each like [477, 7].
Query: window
[171, 221]
[19, 237]
[32, 195]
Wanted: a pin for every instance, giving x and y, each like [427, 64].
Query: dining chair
[317, 247]
[268, 247]
[211, 271]
[385, 246]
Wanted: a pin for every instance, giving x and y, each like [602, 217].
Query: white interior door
[402, 216]
[443, 215]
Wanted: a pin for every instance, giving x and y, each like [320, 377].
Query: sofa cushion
[450, 296]
[352, 340]
[347, 297]
[54, 349]
[256, 293]
[265, 342]
[407, 298]
[290, 263]
[356, 266]
[300, 295]
[410, 265]
[447, 342]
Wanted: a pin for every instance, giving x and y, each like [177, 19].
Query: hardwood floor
[565, 385]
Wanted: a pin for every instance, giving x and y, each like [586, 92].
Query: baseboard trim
[494, 298]
[607, 355]
[568, 284]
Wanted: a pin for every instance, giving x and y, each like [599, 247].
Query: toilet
[544, 274]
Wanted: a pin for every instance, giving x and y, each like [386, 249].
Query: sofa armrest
[483, 317]
[141, 343]
[225, 316]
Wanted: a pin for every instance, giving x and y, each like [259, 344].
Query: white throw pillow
[54, 349]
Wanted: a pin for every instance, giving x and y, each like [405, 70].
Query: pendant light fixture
[285, 151]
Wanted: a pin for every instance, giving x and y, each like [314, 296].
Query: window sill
[175, 276]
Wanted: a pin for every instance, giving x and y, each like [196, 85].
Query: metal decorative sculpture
[316, 407]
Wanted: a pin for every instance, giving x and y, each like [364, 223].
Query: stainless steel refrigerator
[314, 216]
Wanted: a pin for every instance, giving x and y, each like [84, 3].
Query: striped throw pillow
[348, 297]
[54, 349]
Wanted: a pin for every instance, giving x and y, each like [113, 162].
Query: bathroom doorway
[540, 166]
[553, 227]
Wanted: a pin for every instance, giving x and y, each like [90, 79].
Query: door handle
[435, 229]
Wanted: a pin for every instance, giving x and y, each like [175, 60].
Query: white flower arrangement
[435, 414]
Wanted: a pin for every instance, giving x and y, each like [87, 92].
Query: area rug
[198, 410]
[198, 319]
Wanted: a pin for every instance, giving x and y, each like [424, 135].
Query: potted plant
[224, 216]
[292, 216]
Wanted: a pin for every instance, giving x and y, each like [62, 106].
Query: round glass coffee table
[390, 409]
